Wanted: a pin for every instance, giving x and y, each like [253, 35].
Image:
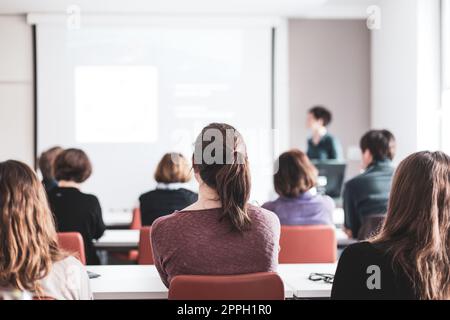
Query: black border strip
[35, 96]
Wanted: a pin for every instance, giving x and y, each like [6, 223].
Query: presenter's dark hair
[321, 113]
[73, 165]
[225, 169]
[380, 143]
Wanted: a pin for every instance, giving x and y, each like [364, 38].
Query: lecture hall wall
[403, 87]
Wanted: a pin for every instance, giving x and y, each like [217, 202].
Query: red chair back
[136, 221]
[73, 243]
[307, 244]
[145, 246]
[255, 286]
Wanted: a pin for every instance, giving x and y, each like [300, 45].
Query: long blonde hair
[416, 233]
[28, 239]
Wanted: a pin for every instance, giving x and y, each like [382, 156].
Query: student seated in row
[409, 258]
[74, 210]
[172, 173]
[298, 202]
[221, 233]
[321, 145]
[30, 256]
[46, 166]
[366, 195]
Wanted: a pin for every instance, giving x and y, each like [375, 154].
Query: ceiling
[289, 8]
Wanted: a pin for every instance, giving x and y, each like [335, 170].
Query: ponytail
[229, 175]
[233, 188]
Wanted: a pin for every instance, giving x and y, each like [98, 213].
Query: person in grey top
[367, 194]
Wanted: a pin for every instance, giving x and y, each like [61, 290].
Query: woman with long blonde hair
[410, 257]
[30, 259]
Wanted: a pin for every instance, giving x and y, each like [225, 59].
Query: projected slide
[127, 94]
[116, 104]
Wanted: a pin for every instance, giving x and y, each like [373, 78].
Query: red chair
[308, 244]
[73, 243]
[145, 247]
[132, 255]
[136, 221]
[255, 286]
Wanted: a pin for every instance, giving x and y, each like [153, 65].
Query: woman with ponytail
[220, 234]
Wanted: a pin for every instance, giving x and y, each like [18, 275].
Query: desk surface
[118, 239]
[143, 282]
[129, 239]
[123, 219]
[120, 219]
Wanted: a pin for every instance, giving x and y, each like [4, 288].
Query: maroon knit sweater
[199, 242]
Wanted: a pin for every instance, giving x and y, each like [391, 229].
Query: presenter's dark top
[367, 194]
[358, 277]
[75, 211]
[161, 202]
[328, 148]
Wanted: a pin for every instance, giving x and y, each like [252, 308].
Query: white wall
[16, 89]
[405, 73]
[329, 64]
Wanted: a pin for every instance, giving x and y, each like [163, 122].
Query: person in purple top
[298, 202]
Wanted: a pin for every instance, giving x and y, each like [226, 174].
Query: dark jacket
[75, 211]
[161, 202]
[367, 194]
[328, 148]
[49, 184]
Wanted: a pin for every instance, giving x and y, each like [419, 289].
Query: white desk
[129, 240]
[338, 217]
[122, 240]
[121, 219]
[143, 282]
[127, 282]
[296, 275]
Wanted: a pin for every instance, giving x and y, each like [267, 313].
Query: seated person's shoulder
[90, 198]
[168, 222]
[362, 251]
[263, 215]
[357, 181]
[60, 281]
[147, 195]
[188, 193]
[327, 201]
[68, 262]
[269, 205]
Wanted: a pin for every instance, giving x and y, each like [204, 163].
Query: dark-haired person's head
[318, 117]
[220, 161]
[295, 174]
[416, 229]
[377, 145]
[46, 162]
[73, 165]
[172, 168]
